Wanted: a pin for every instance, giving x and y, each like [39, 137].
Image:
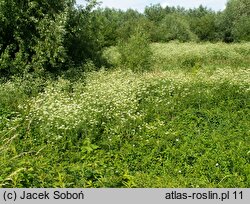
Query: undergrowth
[178, 127]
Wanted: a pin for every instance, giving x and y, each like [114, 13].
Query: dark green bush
[174, 27]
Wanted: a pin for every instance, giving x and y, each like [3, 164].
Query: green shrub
[136, 54]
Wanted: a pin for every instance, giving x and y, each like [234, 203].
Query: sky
[141, 4]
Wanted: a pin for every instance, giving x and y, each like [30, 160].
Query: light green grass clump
[164, 128]
[204, 55]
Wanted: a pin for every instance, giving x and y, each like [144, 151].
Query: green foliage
[204, 23]
[135, 54]
[107, 22]
[112, 55]
[83, 40]
[236, 20]
[131, 20]
[31, 36]
[50, 51]
[241, 29]
[165, 128]
[176, 126]
[173, 27]
[155, 13]
[52, 36]
[38, 36]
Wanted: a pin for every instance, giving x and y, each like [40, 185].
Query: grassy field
[185, 123]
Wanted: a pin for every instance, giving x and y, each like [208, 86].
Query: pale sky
[141, 4]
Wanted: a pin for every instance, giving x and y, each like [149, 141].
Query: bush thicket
[135, 53]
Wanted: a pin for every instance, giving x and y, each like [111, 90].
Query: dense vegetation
[54, 36]
[108, 98]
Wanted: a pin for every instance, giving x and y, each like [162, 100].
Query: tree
[32, 34]
[129, 21]
[108, 21]
[175, 27]
[82, 36]
[48, 35]
[236, 20]
[203, 22]
[155, 13]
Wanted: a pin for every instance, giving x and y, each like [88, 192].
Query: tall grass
[205, 55]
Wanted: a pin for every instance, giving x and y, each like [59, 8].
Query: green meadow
[184, 122]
